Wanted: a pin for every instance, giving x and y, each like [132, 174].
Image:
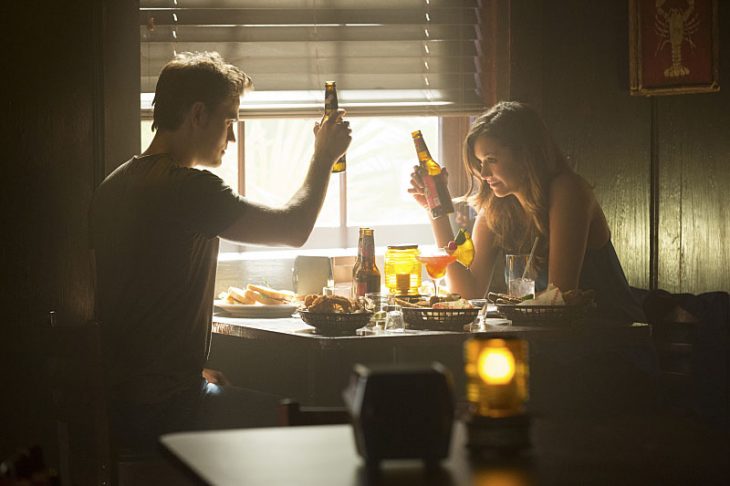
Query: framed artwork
[673, 47]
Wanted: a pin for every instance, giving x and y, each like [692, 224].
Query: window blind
[400, 57]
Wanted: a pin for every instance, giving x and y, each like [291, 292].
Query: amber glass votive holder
[497, 389]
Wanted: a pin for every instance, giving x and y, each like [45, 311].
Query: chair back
[79, 404]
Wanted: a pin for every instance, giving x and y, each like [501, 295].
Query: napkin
[551, 296]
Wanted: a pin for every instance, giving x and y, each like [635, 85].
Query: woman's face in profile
[497, 166]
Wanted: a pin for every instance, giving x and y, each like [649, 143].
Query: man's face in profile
[216, 131]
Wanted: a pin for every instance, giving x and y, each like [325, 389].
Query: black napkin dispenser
[401, 411]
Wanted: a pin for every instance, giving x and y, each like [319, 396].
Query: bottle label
[361, 288]
[370, 283]
[430, 190]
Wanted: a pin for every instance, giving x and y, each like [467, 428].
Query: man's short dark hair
[193, 77]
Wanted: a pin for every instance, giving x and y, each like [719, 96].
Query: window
[399, 66]
[374, 194]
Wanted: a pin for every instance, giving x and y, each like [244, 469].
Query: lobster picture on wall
[673, 46]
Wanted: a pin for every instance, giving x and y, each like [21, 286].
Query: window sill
[290, 254]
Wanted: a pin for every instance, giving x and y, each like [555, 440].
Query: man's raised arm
[292, 224]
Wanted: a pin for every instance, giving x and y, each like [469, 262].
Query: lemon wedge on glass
[462, 248]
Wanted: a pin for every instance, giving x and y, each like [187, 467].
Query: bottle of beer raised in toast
[365, 274]
[435, 190]
[330, 109]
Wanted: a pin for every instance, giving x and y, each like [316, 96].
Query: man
[155, 228]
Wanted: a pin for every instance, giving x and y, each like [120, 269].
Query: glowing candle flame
[496, 366]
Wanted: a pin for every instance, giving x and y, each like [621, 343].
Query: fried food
[452, 301]
[309, 299]
[405, 303]
[499, 298]
[331, 304]
[453, 304]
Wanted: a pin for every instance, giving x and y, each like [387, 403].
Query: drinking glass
[436, 264]
[520, 282]
[394, 321]
[376, 303]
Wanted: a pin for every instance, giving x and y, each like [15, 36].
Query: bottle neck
[423, 154]
[330, 99]
[366, 248]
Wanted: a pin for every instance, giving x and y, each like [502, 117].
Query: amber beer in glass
[330, 109]
[365, 274]
[434, 184]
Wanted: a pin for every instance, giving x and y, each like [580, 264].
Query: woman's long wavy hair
[520, 128]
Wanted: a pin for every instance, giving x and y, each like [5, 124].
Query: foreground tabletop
[618, 450]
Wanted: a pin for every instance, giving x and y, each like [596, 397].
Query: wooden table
[616, 451]
[285, 357]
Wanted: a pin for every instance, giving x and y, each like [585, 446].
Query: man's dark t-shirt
[154, 229]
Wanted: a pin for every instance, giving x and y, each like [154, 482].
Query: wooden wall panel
[694, 199]
[55, 143]
[693, 132]
[582, 53]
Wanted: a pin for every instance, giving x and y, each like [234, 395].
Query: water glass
[394, 321]
[376, 303]
[519, 281]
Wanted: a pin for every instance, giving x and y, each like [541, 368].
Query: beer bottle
[330, 109]
[435, 190]
[365, 275]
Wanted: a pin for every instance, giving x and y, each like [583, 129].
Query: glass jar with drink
[402, 270]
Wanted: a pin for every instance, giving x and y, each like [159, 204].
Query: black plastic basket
[335, 324]
[429, 319]
[544, 314]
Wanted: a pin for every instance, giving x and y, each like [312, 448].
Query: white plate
[255, 310]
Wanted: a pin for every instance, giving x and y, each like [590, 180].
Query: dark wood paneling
[121, 79]
[580, 52]
[526, 61]
[53, 129]
[694, 229]
[694, 174]
[604, 132]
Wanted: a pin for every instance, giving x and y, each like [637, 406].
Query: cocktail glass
[436, 267]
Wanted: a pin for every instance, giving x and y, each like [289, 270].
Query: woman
[523, 189]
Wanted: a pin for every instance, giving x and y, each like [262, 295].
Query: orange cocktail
[436, 264]
[436, 267]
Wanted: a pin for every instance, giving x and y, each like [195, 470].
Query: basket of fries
[430, 319]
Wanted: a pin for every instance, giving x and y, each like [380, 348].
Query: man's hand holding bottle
[332, 137]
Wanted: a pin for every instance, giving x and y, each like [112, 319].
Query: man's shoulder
[161, 169]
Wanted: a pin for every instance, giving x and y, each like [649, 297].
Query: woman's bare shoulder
[569, 186]
[481, 230]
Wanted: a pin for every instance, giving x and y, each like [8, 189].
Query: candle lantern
[497, 389]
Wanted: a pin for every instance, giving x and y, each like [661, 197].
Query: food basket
[427, 318]
[544, 314]
[335, 324]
